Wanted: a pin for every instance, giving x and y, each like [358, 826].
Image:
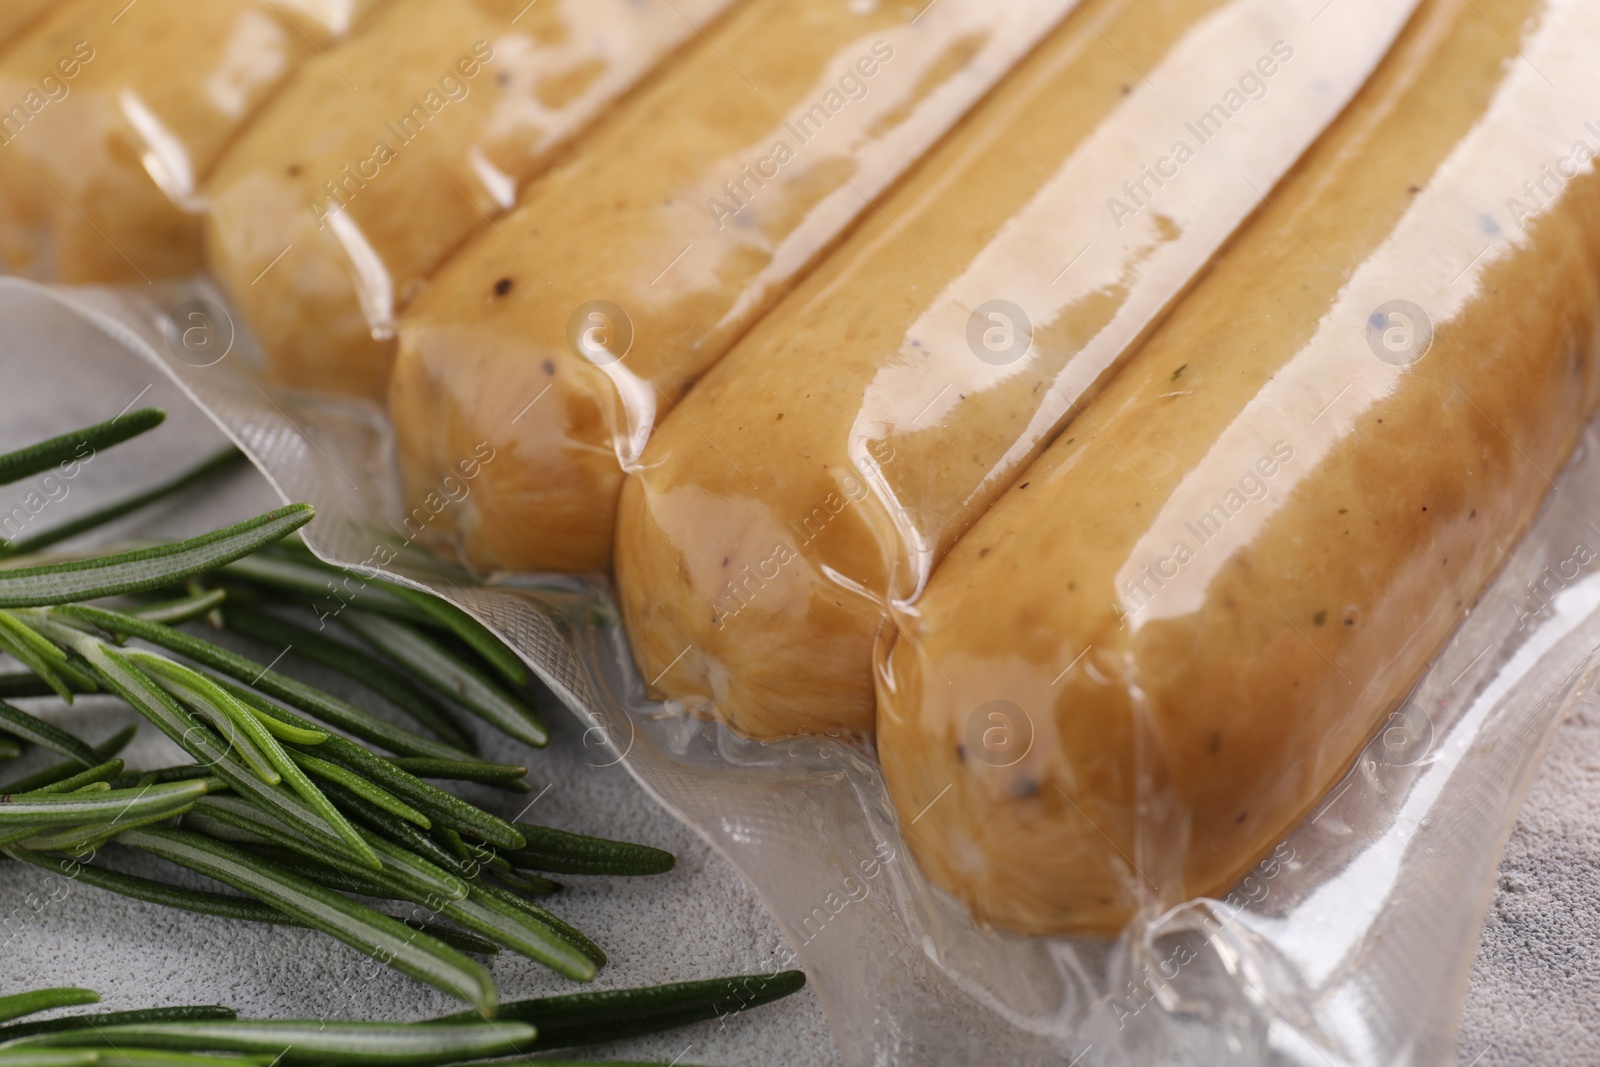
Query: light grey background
[1533, 996]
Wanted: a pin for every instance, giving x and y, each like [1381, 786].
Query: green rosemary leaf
[590, 1018]
[306, 578]
[380, 676]
[478, 637]
[67, 1023]
[295, 862]
[532, 933]
[146, 568]
[60, 771]
[195, 738]
[78, 445]
[9, 749]
[332, 772]
[500, 775]
[408, 951]
[272, 717]
[551, 944]
[560, 852]
[42, 810]
[18, 723]
[20, 1004]
[308, 699]
[181, 610]
[450, 674]
[315, 1042]
[411, 877]
[175, 679]
[101, 774]
[479, 858]
[216, 904]
[111, 512]
[277, 760]
[49, 1057]
[398, 831]
[29, 657]
[445, 809]
[125, 1057]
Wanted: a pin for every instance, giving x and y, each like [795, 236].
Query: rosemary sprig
[146, 568]
[278, 806]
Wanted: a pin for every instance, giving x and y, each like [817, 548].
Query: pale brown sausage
[1187, 617]
[824, 466]
[689, 211]
[117, 113]
[328, 216]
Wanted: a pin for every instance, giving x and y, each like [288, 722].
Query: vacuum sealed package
[337, 203]
[633, 267]
[1089, 506]
[116, 112]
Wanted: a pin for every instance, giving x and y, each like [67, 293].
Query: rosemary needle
[607, 1015]
[219, 462]
[77, 445]
[376, 674]
[208, 749]
[200, 902]
[20, 1004]
[560, 852]
[146, 568]
[301, 578]
[61, 771]
[312, 1042]
[312, 701]
[478, 637]
[101, 773]
[20, 724]
[502, 775]
[182, 1014]
[173, 612]
[408, 951]
[384, 799]
[473, 690]
[196, 689]
[69, 809]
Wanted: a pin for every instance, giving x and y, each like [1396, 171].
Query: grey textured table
[1533, 992]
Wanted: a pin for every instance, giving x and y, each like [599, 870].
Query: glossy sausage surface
[123, 111]
[820, 471]
[371, 168]
[678, 222]
[1169, 639]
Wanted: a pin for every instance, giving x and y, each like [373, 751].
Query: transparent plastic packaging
[114, 113]
[821, 470]
[17, 16]
[333, 208]
[1042, 859]
[567, 333]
